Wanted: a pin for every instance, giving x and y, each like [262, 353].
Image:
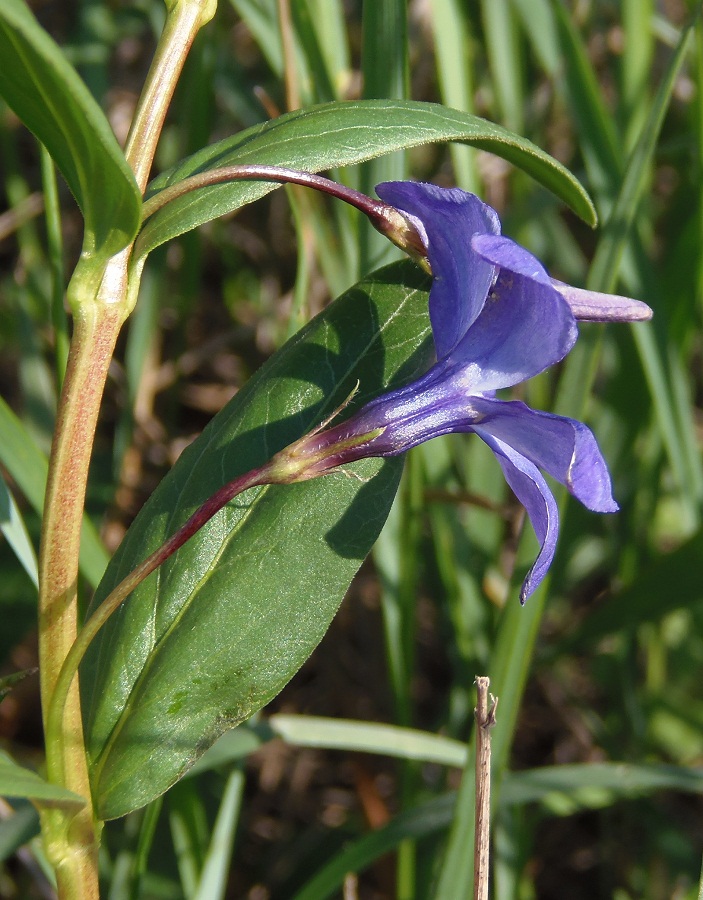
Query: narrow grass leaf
[674, 430]
[598, 138]
[672, 582]
[13, 527]
[262, 21]
[595, 785]
[583, 786]
[503, 48]
[322, 79]
[367, 737]
[385, 75]
[454, 60]
[604, 269]
[638, 33]
[28, 467]
[190, 833]
[413, 824]
[455, 875]
[18, 829]
[327, 18]
[537, 18]
[213, 880]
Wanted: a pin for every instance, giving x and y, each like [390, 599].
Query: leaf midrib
[328, 404]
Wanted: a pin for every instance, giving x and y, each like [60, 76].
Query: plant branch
[72, 840]
[385, 218]
[72, 843]
[184, 20]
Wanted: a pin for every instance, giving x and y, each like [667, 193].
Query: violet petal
[533, 492]
[524, 328]
[461, 278]
[506, 254]
[563, 447]
[592, 306]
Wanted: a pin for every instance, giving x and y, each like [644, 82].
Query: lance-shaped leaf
[224, 624]
[342, 134]
[49, 97]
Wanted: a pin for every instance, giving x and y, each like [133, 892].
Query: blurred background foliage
[610, 670]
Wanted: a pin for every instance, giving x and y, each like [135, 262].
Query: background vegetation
[599, 740]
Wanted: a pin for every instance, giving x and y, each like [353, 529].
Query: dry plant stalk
[485, 720]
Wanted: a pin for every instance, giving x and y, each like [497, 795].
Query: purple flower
[497, 320]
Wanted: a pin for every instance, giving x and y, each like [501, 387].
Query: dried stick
[485, 720]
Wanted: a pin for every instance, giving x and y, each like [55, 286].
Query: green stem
[72, 839]
[184, 20]
[72, 844]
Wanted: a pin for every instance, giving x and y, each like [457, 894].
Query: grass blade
[13, 527]
[213, 878]
[28, 467]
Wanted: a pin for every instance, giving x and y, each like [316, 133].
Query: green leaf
[598, 136]
[16, 781]
[341, 134]
[454, 56]
[217, 632]
[503, 49]
[611, 246]
[333, 734]
[47, 94]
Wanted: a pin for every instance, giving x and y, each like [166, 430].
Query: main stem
[72, 840]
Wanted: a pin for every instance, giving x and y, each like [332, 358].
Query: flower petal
[563, 447]
[524, 327]
[461, 278]
[533, 492]
[505, 253]
[592, 306]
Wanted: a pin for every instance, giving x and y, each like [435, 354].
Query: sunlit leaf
[227, 621]
[342, 134]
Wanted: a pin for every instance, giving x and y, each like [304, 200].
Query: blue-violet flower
[497, 319]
